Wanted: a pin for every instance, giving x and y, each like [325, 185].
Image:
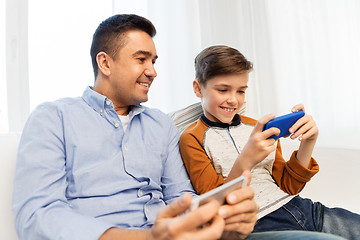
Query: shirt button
[107, 102]
[140, 193]
[117, 125]
[101, 111]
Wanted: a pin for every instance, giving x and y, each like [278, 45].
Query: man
[102, 166]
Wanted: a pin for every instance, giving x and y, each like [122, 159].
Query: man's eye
[242, 92]
[141, 59]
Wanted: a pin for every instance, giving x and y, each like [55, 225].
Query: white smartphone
[219, 193]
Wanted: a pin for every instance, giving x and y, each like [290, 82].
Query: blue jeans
[303, 214]
[292, 235]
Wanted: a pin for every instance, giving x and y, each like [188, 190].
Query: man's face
[132, 73]
[223, 96]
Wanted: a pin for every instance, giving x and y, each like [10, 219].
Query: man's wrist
[148, 234]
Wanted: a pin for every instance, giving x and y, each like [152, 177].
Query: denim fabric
[341, 222]
[298, 214]
[292, 235]
[304, 214]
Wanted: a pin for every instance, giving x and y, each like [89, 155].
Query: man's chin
[139, 101]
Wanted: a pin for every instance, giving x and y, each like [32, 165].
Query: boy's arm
[198, 165]
[301, 166]
[306, 130]
[291, 176]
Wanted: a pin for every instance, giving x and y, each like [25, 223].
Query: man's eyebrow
[146, 53]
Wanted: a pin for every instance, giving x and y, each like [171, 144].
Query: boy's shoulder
[195, 129]
[197, 126]
[248, 120]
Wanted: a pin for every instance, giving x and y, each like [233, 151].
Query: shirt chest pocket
[145, 161]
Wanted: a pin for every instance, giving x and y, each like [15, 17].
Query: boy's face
[222, 96]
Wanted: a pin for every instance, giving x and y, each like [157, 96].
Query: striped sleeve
[198, 165]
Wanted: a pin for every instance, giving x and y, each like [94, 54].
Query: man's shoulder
[155, 113]
[57, 106]
[61, 102]
[156, 116]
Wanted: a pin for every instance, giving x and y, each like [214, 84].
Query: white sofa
[8, 147]
[335, 185]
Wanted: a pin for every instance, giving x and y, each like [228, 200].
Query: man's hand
[240, 213]
[169, 225]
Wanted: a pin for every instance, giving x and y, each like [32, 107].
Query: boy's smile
[222, 96]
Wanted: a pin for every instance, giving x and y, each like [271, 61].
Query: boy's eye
[242, 92]
[222, 90]
[141, 59]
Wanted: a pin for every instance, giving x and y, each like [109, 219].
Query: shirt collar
[236, 121]
[98, 102]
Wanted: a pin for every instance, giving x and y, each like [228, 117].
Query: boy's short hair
[219, 60]
[109, 35]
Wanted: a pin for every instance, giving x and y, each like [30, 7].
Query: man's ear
[103, 62]
[197, 88]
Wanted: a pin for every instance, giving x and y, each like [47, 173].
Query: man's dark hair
[219, 60]
[109, 36]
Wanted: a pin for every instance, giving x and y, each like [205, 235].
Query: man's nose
[150, 71]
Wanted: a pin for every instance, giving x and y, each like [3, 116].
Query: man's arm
[175, 180]
[169, 225]
[40, 206]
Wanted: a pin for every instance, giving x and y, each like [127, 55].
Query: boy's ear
[197, 89]
[103, 63]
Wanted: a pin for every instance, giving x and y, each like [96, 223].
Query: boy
[222, 144]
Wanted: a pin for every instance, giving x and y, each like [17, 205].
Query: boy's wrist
[244, 163]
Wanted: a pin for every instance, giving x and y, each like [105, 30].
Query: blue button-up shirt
[78, 173]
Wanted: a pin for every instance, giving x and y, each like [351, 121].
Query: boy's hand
[258, 146]
[305, 128]
[307, 132]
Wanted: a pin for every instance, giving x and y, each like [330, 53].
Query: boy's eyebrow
[226, 85]
[146, 53]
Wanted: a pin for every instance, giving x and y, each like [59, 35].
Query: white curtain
[312, 48]
[304, 51]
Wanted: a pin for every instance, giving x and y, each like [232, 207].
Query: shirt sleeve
[198, 165]
[175, 180]
[40, 206]
[291, 176]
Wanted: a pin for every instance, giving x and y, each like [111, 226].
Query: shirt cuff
[299, 172]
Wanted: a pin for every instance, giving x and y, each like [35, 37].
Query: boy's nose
[231, 99]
